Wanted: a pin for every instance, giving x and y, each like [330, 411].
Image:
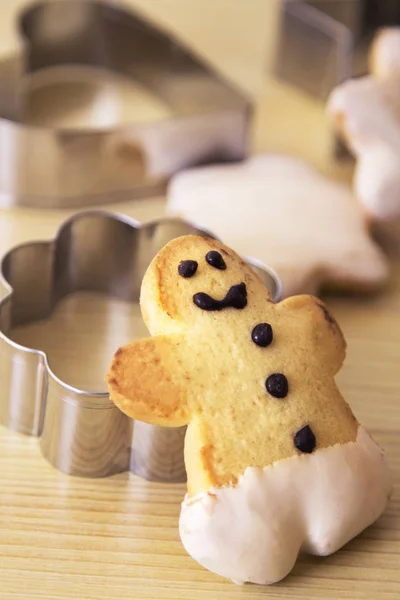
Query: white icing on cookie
[384, 57]
[314, 503]
[366, 111]
[369, 115]
[280, 210]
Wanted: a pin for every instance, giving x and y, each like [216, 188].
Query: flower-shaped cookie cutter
[206, 120]
[81, 431]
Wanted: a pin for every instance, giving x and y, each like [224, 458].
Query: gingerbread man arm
[310, 315]
[146, 381]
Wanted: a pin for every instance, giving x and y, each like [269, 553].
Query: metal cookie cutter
[205, 118]
[314, 51]
[82, 432]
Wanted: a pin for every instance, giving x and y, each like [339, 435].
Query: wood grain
[117, 538]
[62, 537]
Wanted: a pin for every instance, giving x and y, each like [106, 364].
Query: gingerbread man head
[253, 380]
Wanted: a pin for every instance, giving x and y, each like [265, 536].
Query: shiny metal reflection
[315, 51]
[81, 431]
[64, 167]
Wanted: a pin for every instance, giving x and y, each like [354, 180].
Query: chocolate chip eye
[304, 440]
[262, 335]
[187, 268]
[215, 259]
[277, 385]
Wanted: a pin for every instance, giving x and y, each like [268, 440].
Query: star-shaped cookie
[366, 113]
[281, 211]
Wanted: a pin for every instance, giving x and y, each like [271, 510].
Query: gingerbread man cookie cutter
[81, 431]
[208, 119]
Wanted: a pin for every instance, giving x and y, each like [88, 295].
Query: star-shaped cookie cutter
[70, 167]
[81, 431]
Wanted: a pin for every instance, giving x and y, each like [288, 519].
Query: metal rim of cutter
[82, 432]
[67, 168]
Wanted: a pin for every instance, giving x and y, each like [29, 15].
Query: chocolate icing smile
[235, 298]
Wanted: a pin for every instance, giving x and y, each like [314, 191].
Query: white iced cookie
[282, 211]
[276, 461]
[366, 112]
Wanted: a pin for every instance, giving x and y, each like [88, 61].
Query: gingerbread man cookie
[276, 461]
[366, 113]
[281, 210]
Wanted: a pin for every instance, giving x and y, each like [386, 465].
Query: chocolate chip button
[262, 335]
[304, 440]
[215, 259]
[277, 385]
[187, 268]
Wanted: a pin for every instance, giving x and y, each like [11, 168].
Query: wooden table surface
[117, 538]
